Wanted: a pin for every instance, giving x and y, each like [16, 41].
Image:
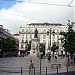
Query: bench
[59, 65]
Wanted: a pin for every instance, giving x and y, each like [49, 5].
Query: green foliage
[54, 47]
[69, 38]
[28, 46]
[8, 44]
[42, 47]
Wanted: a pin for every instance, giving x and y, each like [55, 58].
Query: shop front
[22, 53]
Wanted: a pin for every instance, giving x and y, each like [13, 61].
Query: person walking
[49, 57]
[55, 57]
[31, 67]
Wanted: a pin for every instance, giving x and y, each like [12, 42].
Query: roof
[16, 34]
[56, 24]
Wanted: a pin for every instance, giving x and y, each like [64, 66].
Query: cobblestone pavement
[12, 65]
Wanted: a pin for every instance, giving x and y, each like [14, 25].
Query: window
[22, 36]
[22, 46]
[48, 36]
[26, 30]
[60, 45]
[57, 31]
[49, 43]
[44, 36]
[57, 36]
[26, 36]
[30, 36]
[22, 30]
[22, 41]
[39, 30]
[39, 36]
[57, 42]
[53, 39]
[30, 30]
[26, 41]
[44, 41]
[44, 30]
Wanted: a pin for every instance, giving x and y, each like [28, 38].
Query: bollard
[34, 70]
[67, 68]
[40, 66]
[21, 70]
[40, 70]
[46, 69]
[57, 69]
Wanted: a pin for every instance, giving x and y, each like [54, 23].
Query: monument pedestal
[34, 47]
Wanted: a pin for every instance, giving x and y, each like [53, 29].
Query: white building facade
[27, 34]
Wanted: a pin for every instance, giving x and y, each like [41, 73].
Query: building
[16, 36]
[27, 34]
[5, 33]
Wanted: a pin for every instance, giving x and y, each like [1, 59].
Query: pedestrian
[31, 65]
[49, 57]
[55, 57]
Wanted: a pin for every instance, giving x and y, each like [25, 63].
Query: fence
[36, 70]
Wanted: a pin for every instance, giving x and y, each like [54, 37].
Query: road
[12, 65]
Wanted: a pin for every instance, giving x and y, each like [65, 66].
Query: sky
[15, 13]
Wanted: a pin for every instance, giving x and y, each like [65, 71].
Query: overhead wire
[69, 5]
[32, 2]
[70, 2]
[45, 3]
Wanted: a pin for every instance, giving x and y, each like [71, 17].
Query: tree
[8, 44]
[29, 46]
[54, 47]
[69, 38]
[42, 48]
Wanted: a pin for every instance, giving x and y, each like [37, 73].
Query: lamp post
[40, 58]
[68, 60]
[49, 32]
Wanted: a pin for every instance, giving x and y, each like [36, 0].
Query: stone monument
[35, 44]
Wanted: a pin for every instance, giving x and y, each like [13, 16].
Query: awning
[23, 50]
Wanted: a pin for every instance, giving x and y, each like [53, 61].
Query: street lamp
[68, 59]
[49, 32]
[40, 58]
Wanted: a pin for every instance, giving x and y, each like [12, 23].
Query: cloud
[27, 12]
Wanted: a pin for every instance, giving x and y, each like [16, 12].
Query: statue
[36, 33]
